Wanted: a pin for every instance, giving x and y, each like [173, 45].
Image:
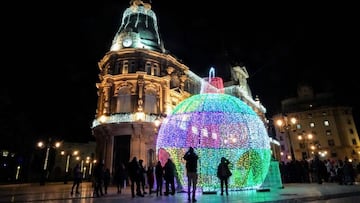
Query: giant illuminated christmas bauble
[216, 125]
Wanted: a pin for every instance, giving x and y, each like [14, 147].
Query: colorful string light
[216, 125]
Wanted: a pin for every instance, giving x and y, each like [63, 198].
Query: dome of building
[216, 125]
[138, 29]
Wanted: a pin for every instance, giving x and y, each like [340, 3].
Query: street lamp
[45, 169]
[286, 124]
[306, 139]
[68, 162]
[318, 151]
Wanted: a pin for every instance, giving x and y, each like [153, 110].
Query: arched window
[125, 67]
[148, 68]
[123, 102]
[151, 105]
[152, 68]
[132, 67]
[155, 70]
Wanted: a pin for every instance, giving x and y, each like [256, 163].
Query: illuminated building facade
[140, 82]
[322, 127]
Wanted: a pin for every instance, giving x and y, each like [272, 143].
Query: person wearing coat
[159, 174]
[169, 176]
[223, 173]
[135, 175]
[191, 159]
[120, 177]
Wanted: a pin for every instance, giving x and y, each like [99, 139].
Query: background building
[321, 126]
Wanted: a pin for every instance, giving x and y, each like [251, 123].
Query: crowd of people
[138, 177]
[340, 171]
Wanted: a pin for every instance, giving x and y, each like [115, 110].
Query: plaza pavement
[59, 192]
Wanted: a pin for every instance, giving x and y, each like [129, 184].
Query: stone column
[140, 93]
[106, 93]
[135, 146]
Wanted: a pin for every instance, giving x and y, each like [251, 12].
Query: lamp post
[48, 146]
[306, 139]
[67, 164]
[69, 155]
[286, 124]
[318, 150]
[89, 166]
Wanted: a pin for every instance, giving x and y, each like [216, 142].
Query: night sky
[51, 50]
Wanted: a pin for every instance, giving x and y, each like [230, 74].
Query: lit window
[326, 123]
[328, 132]
[155, 70]
[312, 124]
[123, 102]
[150, 101]
[125, 67]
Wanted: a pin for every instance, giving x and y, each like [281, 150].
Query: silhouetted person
[150, 177]
[191, 159]
[107, 178]
[169, 176]
[77, 179]
[159, 174]
[134, 175]
[142, 176]
[223, 173]
[305, 177]
[340, 172]
[349, 172]
[120, 177]
[99, 178]
[320, 169]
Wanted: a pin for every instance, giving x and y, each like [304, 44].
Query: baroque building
[321, 127]
[140, 83]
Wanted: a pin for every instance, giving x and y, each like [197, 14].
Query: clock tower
[139, 83]
[138, 29]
